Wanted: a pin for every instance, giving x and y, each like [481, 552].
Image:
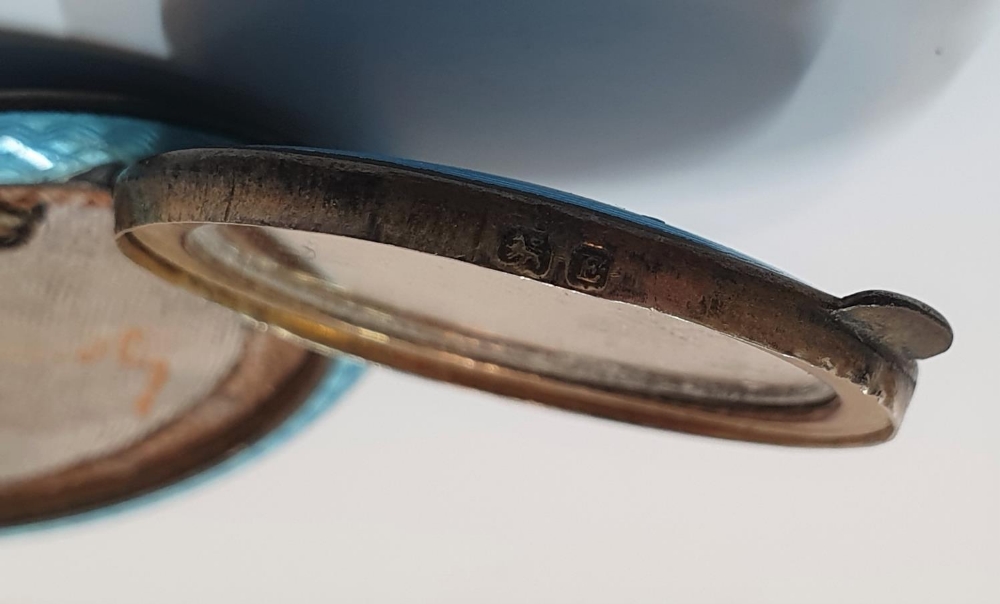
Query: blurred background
[853, 144]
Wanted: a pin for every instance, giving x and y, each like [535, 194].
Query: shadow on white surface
[511, 85]
[415, 491]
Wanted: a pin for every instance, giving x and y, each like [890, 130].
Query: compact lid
[525, 291]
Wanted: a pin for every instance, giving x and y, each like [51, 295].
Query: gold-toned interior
[282, 282]
[493, 317]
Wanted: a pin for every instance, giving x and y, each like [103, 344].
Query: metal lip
[461, 215]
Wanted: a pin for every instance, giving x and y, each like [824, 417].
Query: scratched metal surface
[513, 184]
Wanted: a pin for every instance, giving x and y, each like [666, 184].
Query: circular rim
[462, 215]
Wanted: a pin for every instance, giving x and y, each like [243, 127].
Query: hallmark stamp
[589, 267]
[528, 251]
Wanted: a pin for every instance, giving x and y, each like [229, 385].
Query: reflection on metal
[527, 292]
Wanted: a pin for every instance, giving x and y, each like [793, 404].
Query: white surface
[879, 167]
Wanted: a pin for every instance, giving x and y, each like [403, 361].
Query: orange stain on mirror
[130, 355]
